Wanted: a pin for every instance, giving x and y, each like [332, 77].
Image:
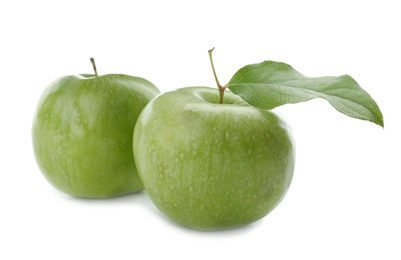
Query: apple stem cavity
[94, 65]
[219, 86]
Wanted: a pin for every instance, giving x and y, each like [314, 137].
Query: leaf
[271, 84]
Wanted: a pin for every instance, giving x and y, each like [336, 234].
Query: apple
[212, 166]
[82, 133]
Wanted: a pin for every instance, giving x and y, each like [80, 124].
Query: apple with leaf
[215, 159]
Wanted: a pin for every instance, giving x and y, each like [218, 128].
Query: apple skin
[82, 133]
[212, 166]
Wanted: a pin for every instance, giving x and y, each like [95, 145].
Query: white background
[344, 202]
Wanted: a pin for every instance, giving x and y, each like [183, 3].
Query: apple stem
[219, 86]
[94, 65]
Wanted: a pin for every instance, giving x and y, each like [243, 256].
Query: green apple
[82, 133]
[212, 166]
[214, 159]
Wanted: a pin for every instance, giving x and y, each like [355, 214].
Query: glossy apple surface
[212, 166]
[82, 133]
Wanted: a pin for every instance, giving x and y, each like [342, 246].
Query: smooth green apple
[82, 133]
[212, 166]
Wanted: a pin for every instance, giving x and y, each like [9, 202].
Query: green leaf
[271, 84]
